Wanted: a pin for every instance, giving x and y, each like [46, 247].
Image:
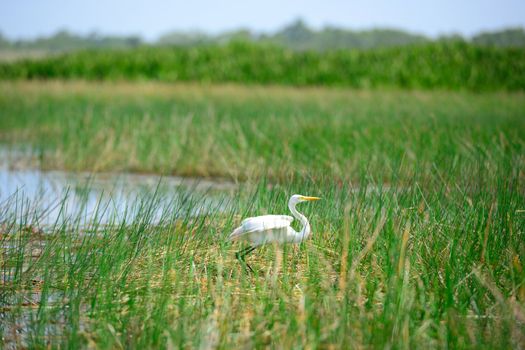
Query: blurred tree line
[65, 41]
[297, 36]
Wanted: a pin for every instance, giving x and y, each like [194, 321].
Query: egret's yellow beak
[310, 198]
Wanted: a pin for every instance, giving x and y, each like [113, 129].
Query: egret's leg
[241, 254]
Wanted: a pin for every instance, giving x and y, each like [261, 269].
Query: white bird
[265, 229]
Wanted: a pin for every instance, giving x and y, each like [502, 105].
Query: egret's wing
[261, 224]
[266, 219]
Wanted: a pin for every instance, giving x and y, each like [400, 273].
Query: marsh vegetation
[418, 241]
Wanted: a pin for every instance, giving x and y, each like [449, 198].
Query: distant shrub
[442, 65]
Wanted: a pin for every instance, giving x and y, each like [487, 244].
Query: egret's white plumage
[260, 229]
[265, 229]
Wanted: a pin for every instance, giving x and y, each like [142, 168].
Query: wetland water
[47, 198]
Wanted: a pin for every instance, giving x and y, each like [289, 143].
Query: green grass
[399, 268]
[239, 133]
[418, 242]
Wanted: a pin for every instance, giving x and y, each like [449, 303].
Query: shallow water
[48, 198]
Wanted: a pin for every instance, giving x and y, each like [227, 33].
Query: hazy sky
[31, 18]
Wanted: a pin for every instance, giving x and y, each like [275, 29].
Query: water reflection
[46, 199]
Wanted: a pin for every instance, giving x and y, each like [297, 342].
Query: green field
[418, 241]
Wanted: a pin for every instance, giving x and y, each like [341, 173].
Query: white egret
[265, 229]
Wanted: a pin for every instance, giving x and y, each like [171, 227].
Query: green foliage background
[455, 66]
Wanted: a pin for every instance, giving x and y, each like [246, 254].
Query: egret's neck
[305, 230]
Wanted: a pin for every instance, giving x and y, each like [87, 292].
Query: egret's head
[297, 198]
